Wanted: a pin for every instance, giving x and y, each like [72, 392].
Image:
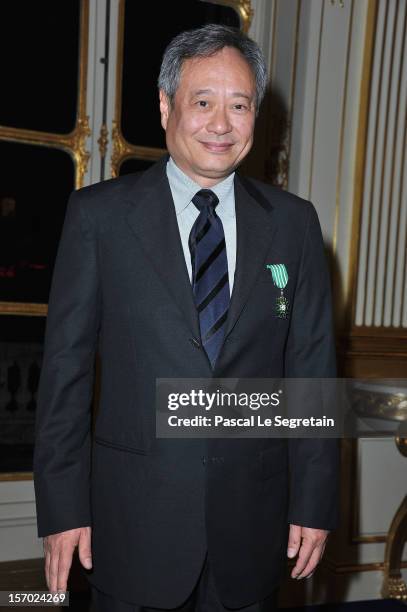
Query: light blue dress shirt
[183, 189]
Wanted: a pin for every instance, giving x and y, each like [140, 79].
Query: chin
[216, 172]
[219, 169]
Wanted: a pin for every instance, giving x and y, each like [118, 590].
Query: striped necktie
[210, 280]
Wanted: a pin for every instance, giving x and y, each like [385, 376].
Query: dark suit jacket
[121, 287]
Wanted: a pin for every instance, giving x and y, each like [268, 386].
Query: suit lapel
[254, 233]
[153, 220]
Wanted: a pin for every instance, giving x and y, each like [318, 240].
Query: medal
[282, 306]
[280, 279]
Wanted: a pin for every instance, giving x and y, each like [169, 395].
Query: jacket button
[195, 343]
[204, 460]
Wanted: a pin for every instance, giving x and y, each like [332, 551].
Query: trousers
[204, 598]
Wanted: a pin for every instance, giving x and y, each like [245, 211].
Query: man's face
[209, 126]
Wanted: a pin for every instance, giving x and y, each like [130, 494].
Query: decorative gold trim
[394, 588]
[14, 476]
[79, 152]
[393, 583]
[242, 7]
[23, 309]
[349, 568]
[74, 142]
[121, 148]
[103, 140]
[369, 539]
[360, 162]
[401, 444]
[380, 405]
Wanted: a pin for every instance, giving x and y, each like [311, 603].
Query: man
[165, 273]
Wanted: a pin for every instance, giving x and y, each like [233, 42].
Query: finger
[305, 552]
[47, 565]
[309, 569]
[294, 541]
[84, 548]
[53, 571]
[64, 565]
[317, 549]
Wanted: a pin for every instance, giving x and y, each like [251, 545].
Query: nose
[219, 122]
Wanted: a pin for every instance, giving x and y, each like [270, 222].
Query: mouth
[217, 147]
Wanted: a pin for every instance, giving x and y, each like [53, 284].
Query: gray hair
[204, 42]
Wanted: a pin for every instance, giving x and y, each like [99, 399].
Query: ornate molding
[122, 150]
[401, 444]
[381, 405]
[246, 14]
[78, 147]
[103, 140]
[395, 588]
[119, 149]
[14, 476]
[242, 7]
[23, 309]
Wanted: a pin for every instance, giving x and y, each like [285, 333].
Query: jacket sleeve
[63, 420]
[310, 353]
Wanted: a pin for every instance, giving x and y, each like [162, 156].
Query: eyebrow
[235, 94]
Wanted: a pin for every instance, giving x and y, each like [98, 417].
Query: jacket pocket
[118, 446]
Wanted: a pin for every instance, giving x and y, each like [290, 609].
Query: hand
[58, 551]
[311, 545]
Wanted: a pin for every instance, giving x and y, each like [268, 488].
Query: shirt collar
[184, 188]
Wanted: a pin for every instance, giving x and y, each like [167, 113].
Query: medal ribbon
[279, 274]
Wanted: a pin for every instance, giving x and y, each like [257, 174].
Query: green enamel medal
[280, 279]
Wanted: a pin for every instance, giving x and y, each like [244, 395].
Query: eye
[202, 103]
[240, 107]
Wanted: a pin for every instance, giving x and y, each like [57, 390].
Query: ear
[164, 108]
